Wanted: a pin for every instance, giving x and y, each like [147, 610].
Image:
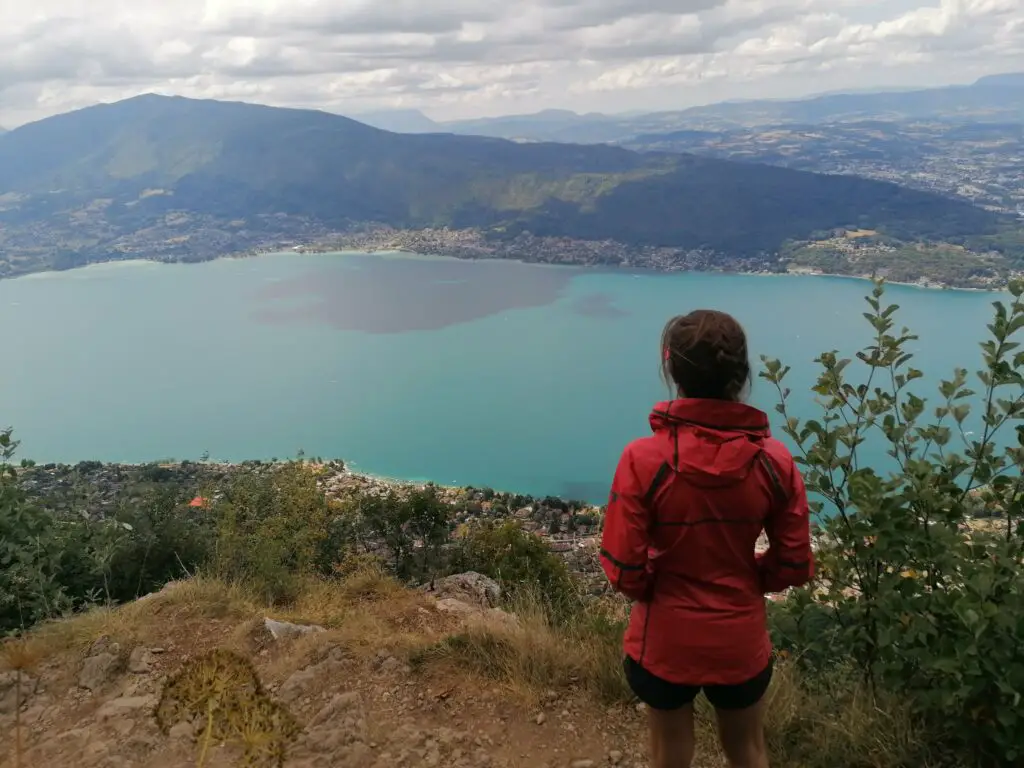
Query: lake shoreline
[922, 283]
[470, 245]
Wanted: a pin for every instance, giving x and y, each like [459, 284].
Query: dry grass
[364, 613]
[21, 656]
[124, 625]
[833, 724]
[533, 652]
[835, 721]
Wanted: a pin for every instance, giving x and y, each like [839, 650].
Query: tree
[29, 590]
[413, 529]
[428, 524]
[921, 601]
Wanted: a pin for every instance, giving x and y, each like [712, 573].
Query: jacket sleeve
[789, 561]
[625, 537]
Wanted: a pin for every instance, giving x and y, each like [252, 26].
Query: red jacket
[687, 506]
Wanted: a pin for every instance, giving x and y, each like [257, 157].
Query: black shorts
[663, 695]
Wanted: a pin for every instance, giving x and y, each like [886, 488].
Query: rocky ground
[93, 688]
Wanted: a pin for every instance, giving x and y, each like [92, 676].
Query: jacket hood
[713, 442]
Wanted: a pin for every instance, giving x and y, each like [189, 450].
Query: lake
[520, 377]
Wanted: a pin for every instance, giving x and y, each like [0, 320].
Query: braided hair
[704, 355]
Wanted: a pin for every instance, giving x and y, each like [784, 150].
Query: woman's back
[710, 511]
[703, 486]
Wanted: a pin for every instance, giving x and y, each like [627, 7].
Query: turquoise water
[520, 377]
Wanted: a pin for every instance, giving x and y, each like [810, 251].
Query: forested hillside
[197, 179]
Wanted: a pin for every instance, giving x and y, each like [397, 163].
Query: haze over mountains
[997, 98]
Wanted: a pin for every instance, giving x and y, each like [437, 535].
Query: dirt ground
[91, 688]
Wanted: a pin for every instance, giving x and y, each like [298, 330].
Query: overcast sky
[467, 58]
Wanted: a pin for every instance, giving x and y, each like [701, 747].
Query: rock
[33, 714]
[74, 739]
[141, 661]
[282, 630]
[98, 671]
[104, 645]
[183, 732]
[126, 706]
[615, 757]
[9, 697]
[458, 607]
[144, 742]
[470, 587]
[541, 718]
[582, 764]
[297, 684]
[123, 714]
[340, 703]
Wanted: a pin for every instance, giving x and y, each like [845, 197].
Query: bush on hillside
[29, 588]
[147, 542]
[515, 558]
[169, 540]
[923, 606]
[273, 528]
[53, 564]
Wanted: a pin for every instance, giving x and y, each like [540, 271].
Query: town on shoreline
[810, 259]
[852, 254]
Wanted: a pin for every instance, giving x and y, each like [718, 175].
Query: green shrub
[29, 587]
[169, 540]
[922, 606]
[273, 529]
[515, 558]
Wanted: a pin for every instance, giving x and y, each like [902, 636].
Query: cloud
[465, 57]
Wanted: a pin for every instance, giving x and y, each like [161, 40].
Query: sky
[457, 59]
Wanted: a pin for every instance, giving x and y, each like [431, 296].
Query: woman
[686, 508]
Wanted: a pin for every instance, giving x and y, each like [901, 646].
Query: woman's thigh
[656, 693]
[741, 732]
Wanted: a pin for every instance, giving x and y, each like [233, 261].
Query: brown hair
[704, 354]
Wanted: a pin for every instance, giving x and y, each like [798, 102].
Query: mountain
[559, 125]
[399, 121]
[194, 179]
[1009, 80]
[997, 98]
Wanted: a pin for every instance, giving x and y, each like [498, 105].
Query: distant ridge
[1008, 80]
[995, 98]
[400, 121]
